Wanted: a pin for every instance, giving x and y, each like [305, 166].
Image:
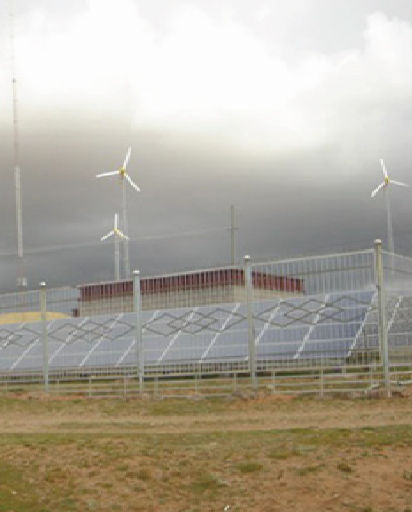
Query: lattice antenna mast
[21, 279]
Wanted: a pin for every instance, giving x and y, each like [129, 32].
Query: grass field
[271, 453]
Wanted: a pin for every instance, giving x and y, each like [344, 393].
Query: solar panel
[295, 328]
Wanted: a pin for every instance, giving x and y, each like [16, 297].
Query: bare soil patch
[266, 454]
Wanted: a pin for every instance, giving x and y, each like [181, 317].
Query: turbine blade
[105, 237]
[377, 189]
[121, 235]
[115, 221]
[399, 183]
[113, 173]
[385, 174]
[129, 179]
[126, 160]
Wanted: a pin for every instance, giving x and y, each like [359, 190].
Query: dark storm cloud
[181, 218]
[298, 155]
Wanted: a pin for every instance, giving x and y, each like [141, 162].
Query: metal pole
[43, 319]
[391, 243]
[21, 280]
[322, 384]
[125, 231]
[383, 333]
[250, 322]
[137, 307]
[116, 257]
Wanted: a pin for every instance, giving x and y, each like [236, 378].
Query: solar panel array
[286, 330]
[400, 332]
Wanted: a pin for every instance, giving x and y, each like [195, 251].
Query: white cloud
[215, 76]
[388, 53]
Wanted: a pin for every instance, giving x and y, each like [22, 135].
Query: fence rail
[327, 323]
[353, 381]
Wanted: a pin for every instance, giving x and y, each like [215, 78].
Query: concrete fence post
[250, 321]
[137, 308]
[382, 323]
[322, 384]
[44, 339]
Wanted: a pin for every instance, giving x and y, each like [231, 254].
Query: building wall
[177, 299]
[240, 294]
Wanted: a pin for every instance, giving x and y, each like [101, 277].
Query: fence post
[250, 322]
[382, 325]
[43, 319]
[124, 386]
[322, 384]
[156, 386]
[137, 307]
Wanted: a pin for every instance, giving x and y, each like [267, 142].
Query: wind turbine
[117, 234]
[385, 186]
[123, 176]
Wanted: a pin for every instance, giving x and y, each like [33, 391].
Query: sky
[280, 108]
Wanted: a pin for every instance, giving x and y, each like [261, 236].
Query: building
[184, 290]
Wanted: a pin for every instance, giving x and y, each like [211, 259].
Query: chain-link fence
[311, 325]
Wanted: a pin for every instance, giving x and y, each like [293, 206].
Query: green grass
[250, 467]
[110, 408]
[284, 453]
[88, 468]
[206, 483]
[309, 469]
[16, 493]
[344, 467]
[49, 465]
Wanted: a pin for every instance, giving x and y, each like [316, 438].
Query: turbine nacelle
[386, 180]
[122, 172]
[115, 231]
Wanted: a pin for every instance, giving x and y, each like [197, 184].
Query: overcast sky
[281, 108]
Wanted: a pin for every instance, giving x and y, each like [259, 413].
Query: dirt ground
[61, 415]
[265, 454]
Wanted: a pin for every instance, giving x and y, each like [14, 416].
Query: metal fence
[326, 324]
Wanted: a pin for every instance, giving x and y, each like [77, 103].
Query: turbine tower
[123, 176]
[21, 279]
[117, 234]
[385, 186]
